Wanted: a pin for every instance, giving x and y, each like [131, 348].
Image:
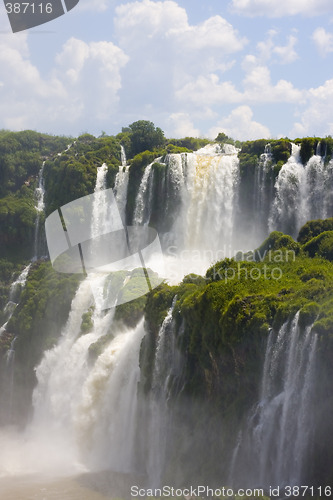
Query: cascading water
[94, 418]
[121, 184]
[208, 194]
[14, 292]
[200, 201]
[263, 192]
[158, 411]
[166, 381]
[143, 202]
[195, 201]
[8, 364]
[301, 193]
[276, 442]
[40, 206]
[107, 418]
[288, 205]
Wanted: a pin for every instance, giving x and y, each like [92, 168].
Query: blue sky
[249, 68]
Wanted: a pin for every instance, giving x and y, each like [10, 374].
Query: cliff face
[222, 324]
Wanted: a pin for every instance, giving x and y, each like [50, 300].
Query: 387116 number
[28, 8]
[307, 491]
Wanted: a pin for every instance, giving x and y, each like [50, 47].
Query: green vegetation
[313, 228]
[72, 174]
[21, 157]
[143, 135]
[87, 323]
[17, 222]
[189, 143]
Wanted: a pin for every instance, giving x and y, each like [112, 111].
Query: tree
[145, 136]
[222, 137]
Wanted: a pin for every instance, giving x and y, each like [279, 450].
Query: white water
[121, 184]
[143, 202]
[107, 416]
[302, 193]
[166, 383]
[40, 206]
[203, 186]
[209, 191]
[158, 411]
[100, 216]
[84, 408]
[275, 444]
[288, 206]
[15, 288]
[198, 203]
[263, 193]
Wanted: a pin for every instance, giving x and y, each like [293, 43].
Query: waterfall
[121, 184]
[39, 195]
[302, 193]
[206, 218]
[94, 418]
[107, 416]
[276, 443]
[67, 363]
[166, 382]
[199, 201]
[158, 411]
[143, 202]
[317, 189]
[263, 192]
[123, 156]
[100, 221]
[205, 209]
[7, 368]
[14, 292]
[10, 363]
[288, 206]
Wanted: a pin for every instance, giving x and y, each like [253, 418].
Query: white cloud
[239, 125]
[156, 33]
[323, 40]
[92, 75]
[270, 52]
[82, 86]
[317, 118]
[149, 21]
[214, 33]
[181, 125]
[287, 53]
[167, 53]
[272, 8]
[208, 90]
[257, 88]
